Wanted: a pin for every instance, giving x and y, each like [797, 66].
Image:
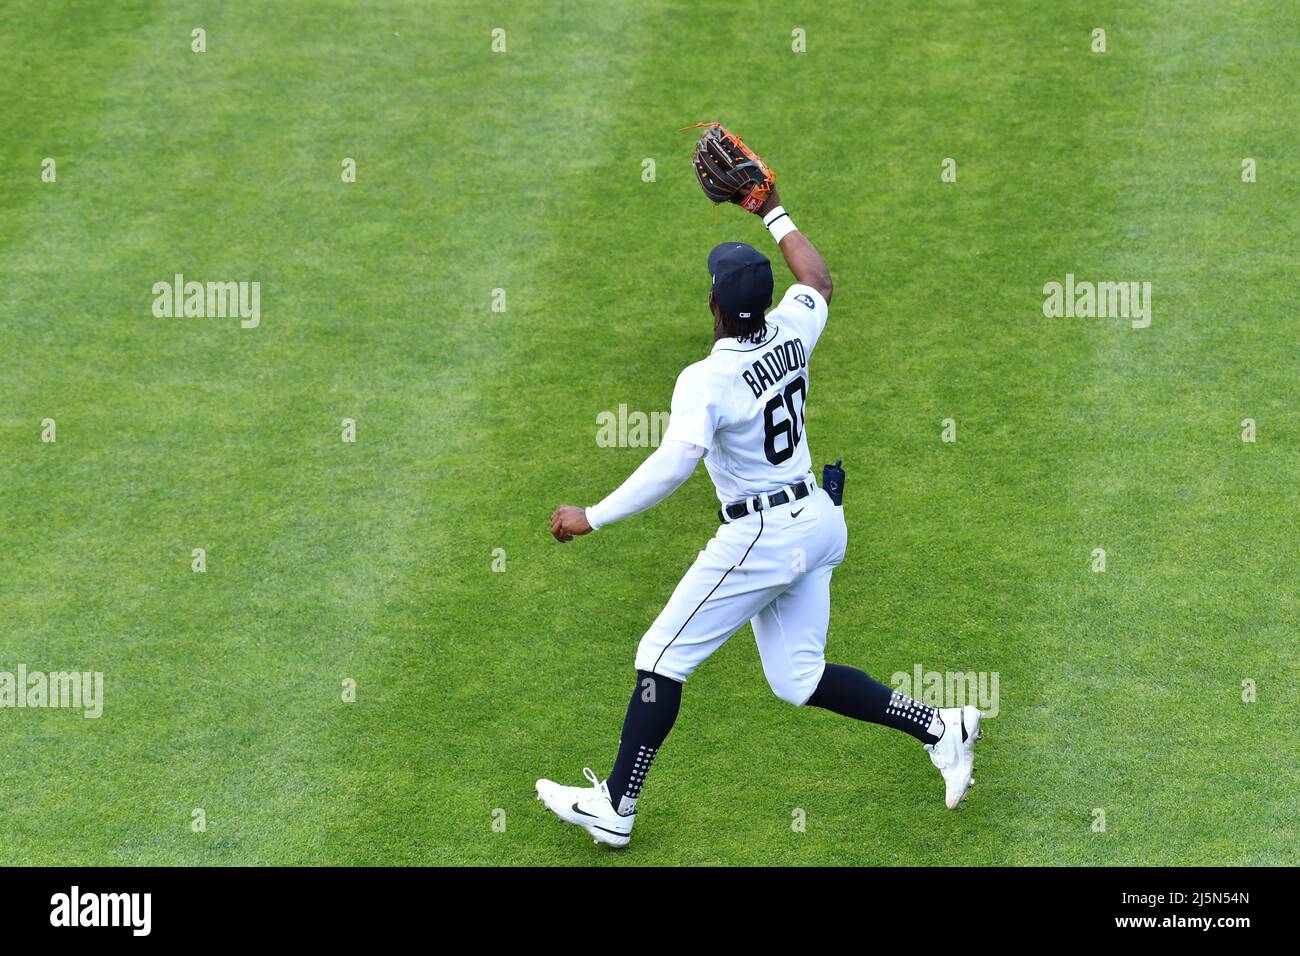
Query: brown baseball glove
[728, 170]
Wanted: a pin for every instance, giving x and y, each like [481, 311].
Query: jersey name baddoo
[774, 365]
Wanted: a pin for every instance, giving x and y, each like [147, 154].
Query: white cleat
[589, 808]
[954, 752]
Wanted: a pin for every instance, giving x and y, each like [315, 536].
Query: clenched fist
[567, 522]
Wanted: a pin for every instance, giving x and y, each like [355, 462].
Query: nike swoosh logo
[580, 811]
[795, 514]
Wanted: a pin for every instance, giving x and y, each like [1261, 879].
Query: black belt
[738, 509]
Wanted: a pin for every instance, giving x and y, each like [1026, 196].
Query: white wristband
[779, 224]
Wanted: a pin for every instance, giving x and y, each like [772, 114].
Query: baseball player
[742, 409]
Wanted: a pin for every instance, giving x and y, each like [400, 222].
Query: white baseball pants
[772, 569]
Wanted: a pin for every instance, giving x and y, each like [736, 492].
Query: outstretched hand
[567, 522]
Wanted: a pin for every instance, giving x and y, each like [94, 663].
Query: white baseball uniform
[744, 406]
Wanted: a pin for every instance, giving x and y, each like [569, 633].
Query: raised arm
[805, 262]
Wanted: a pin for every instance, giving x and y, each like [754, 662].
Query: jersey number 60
[789, 427]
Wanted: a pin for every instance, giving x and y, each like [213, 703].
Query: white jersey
[745, 402]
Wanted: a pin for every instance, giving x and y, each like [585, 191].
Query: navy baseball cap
[742, 279]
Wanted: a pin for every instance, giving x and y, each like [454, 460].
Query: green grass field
[373, 561]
